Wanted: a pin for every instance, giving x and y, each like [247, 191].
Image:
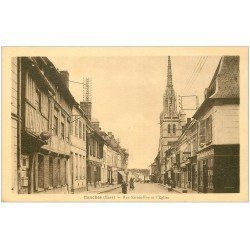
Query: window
[104, 156]
[202, 132]
[68, 130]
[94, 148]
[174, 128]
[209, 129]
[49, 115]
[205, 131]
[76, 127]
[83, 131]
[83, 167]
[38, 100]
[80, 166]
[169, 128]
[55, 122]
[80, 129]
[63, 127]
[76, 165]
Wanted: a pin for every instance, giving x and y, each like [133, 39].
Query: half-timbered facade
[46, 113]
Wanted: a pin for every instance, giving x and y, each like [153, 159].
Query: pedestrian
[171, 184]
[124, 187]
[131, 183]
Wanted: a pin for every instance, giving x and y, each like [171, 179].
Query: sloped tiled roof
[227, 78]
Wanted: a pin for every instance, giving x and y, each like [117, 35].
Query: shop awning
[122, 174]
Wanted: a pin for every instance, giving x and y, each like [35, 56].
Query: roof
[224, 84]
[227, 78]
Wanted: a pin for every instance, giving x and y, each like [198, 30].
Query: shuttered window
[76, 128]
[80, 129]
[56, 122]
[202, 132]
[83, 131]
[63, 127]
[209, 129]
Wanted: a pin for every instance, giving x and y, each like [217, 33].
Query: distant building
[77, 180]
[171, 121]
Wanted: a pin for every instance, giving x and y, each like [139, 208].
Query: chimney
[182, 118]
[110, 135]
[96, 124]
[87, 108]
[65, 77]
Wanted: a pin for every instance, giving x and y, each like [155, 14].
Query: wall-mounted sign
[205, 154]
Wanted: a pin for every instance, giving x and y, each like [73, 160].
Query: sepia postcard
[125, 124]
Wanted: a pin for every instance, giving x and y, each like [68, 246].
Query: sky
[127, 94]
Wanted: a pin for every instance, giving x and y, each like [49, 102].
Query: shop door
[72, 172]
[194, 177]
[205, 178]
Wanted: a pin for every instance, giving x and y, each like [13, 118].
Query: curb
[167, 187]
[108, 190]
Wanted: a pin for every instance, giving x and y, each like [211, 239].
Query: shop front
[94, 173]
[218, 169]
[121, 177]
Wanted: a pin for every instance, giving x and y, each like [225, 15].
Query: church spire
[169, 78]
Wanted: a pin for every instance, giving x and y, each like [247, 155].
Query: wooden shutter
[202, 132]
[50, 171]
[40, 171]
[46, 171]
[55, 173]
[209, 129]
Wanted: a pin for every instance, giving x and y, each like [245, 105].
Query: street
[142, 188]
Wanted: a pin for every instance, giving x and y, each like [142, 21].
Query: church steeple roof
[169, 77]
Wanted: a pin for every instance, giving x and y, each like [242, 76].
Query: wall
[227, 124]
[78, 150]
[14, 87]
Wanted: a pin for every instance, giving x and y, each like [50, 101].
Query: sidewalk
[180, 190]
[100, 190]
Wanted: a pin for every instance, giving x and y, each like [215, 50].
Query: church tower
[169, 119]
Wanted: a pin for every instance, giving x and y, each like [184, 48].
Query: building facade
[19, 178]
[45, 137]
[77, 180]
[205, 158]
[218, 131]
[170, 125]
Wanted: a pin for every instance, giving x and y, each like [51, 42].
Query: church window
[174, 128]
[169, 128]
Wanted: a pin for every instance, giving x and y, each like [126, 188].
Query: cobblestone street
[142, 188]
